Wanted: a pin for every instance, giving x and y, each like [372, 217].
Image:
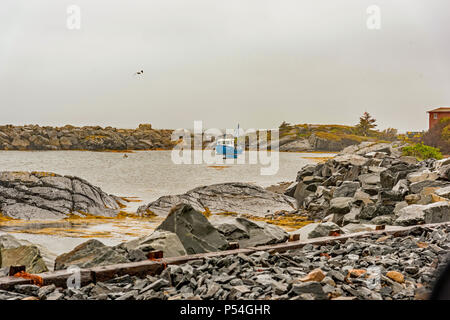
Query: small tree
[389, 134]
[284, 125]
[366, 122]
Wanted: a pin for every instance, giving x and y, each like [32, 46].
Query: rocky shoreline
[302, 138]
[363, 187]
[91, 138]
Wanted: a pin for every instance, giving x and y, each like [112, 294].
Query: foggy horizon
[256, 63]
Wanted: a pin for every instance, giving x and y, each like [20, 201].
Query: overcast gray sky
[256, 62]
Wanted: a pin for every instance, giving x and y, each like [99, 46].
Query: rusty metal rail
[152, 267]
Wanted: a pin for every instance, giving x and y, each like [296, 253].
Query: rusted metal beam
[156, 254]
[140, 269]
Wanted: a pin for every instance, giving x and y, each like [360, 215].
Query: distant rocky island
[90, 138]
[292, 138]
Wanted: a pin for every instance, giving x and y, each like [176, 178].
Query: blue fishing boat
[227, 147]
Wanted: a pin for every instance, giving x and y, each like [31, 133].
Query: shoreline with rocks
[303, 138]
[366, 187]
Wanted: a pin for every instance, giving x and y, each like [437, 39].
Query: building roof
[441, 109]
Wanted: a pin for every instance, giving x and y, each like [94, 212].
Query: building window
[434, 115]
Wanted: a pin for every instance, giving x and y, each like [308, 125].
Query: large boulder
[89, 254]
[167, 242]
[193, 229]
[46, 196]
[443, 192]
[341, 205]
[422, 176]
[419, 214]
[28, 256]
[346, 189]
[7, 241]
[233, 197]
[249, 233]
[417, 187]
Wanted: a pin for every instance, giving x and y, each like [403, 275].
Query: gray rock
[315, 230]
[27, 255]
[420, 176]
[383, 220]
[225, 197]
[89, 254]
[417, 187]
[48, 196]
[249, 233]
[166, 241]
[341, 205]
[27, 289]
[443, 192]
[369, 178]
[346, 189]
[43, 292]
[418, 214]
[312, 287]
[193, 229]
[353, 159]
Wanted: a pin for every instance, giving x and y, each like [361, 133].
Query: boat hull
[228, 151]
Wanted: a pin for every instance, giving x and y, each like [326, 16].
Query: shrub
[439, 136]
[422, 152]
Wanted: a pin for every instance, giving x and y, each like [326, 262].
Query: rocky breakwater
[46, 195]
[224, 198]
[94, 138]
[376, 267]
[374, 184]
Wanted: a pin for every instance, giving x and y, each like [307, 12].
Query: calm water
[144, 174]
[147, 174]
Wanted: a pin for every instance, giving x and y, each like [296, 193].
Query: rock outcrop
[165, 241]
[193, 229]
[373, 183]
[14, 253]
[94, 138]
[249, 233]
[91, 253]
[224, 198]
[7, 241]
[46, 195]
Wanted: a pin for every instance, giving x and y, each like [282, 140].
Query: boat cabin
[225, 142]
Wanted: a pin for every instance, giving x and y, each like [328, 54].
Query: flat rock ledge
[49, 196]
[234, 197]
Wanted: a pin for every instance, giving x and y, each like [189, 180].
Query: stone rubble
[374, 184]
[377, 267]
